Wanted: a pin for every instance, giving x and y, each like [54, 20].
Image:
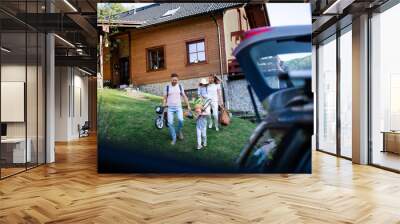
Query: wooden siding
[106, 64]
[123, 46]
[174, 37]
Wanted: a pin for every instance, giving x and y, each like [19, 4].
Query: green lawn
[125, 120]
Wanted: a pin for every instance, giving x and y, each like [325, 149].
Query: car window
[273, 68]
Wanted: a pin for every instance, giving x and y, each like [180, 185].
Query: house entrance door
[124, 71]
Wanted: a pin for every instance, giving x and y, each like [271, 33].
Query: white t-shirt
[174, 95]
[212, 90]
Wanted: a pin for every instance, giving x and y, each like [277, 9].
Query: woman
[215, 94]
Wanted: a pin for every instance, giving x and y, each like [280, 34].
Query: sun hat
[203, 81]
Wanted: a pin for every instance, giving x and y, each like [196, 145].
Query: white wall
[62, 82]
[71, 102]
[80, 109]
[33, 126]
[11, 73]
[15, 73]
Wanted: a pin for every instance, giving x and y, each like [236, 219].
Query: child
[201, 125]
[202, 90]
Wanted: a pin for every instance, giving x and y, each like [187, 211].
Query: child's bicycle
[161, 117]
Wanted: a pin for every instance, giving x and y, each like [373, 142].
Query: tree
[105, 10]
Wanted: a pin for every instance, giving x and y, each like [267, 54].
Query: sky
[281, 14]
[136, 5]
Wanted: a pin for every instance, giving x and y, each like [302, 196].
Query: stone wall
[238, 97]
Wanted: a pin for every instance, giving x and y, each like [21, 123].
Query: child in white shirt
[201, 115]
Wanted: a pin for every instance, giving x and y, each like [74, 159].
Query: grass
[125, 120]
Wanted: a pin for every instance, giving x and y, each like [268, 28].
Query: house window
[191, 94]
[155, 59]
[196, 52]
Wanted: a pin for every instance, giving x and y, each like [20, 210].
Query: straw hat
[203, 81]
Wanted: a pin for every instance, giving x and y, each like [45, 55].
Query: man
[215, 94]
[172, 98]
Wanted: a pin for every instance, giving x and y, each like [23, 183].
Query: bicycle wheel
[159, 122]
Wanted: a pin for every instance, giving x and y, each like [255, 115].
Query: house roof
[167, 12]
